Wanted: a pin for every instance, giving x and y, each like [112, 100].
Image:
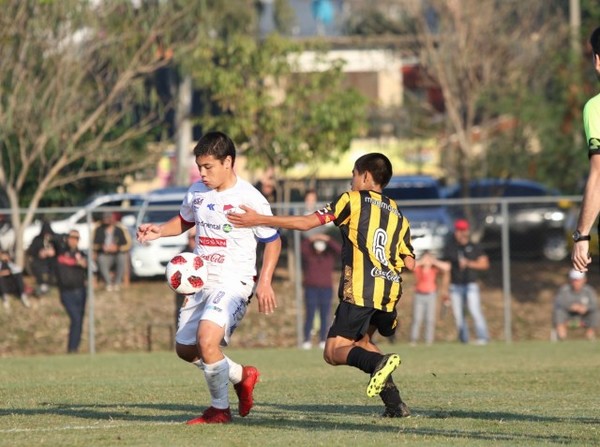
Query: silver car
[150, 259]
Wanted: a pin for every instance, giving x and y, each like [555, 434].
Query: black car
[430, 224]
[536, 227]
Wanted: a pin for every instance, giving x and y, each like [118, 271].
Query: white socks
[217, 378]
[235, 371]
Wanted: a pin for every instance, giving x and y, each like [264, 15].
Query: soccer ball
[186, 273]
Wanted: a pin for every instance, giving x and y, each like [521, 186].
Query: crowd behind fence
[509, 228]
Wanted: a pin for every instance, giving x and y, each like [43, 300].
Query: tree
[480, 52]
[74, 102]
[280, 115]
[501, 66]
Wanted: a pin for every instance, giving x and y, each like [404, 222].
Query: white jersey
[229, 252]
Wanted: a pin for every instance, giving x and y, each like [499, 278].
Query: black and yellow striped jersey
[375, 237]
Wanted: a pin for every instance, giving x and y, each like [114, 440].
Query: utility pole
[183, 133]
[575, 25]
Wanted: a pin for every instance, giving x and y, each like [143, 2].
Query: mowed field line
[98, 426]
[521, 394]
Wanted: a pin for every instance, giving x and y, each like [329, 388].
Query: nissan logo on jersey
[212, 242]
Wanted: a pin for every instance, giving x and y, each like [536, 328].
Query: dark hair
[378, 165]
[595, 41]
[216, 144]
[46, 228]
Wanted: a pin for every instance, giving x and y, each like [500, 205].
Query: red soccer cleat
[212, 415]
[245, 388]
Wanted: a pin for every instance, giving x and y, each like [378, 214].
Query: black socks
[364, 360]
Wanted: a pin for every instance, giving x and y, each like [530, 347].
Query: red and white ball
[186, 273]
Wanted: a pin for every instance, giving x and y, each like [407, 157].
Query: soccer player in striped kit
[376, 249]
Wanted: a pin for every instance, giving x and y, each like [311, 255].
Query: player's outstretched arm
[150, 232]
[147, 232]
[251, 218]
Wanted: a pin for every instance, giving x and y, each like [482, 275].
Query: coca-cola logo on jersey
[215, 258]
[212, 242]
[389, 275]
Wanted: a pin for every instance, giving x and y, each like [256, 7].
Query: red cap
[461, 225]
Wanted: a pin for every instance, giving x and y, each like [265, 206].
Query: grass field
[524, 394]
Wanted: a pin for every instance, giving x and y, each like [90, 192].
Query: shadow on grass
[111, 412]
[312, 417]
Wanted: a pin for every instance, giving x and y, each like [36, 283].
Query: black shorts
[353, 321]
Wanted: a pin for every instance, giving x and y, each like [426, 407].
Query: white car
[123, 203]
[150, 259]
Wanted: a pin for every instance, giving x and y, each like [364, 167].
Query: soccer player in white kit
[208, 318]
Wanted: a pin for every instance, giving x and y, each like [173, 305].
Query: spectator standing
[427, 268]
[267, 188]
[467, 259]
[320, 253]
[576, 301]
[11, 281]
[71, 278]
[111, 243]
[41, 254]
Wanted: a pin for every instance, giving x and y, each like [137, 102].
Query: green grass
[524, 394]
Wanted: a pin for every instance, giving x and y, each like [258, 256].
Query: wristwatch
[577, 236]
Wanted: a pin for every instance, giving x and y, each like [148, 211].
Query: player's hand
[267, 303]
[249, 218]
[580, 256]
[147, 232]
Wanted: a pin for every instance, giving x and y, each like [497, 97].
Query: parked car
[535, 228]
[78, 220]
[430, 224]
[151, 258]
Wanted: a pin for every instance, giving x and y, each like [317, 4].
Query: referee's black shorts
[352, 321]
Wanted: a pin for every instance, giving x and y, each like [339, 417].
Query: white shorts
[225, 306]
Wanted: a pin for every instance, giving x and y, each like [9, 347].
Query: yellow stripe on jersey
[375, 236]
[358, 261]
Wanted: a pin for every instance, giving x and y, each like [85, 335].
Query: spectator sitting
[41, 255]
[11, 281]
[111, 244]
[576, 301]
